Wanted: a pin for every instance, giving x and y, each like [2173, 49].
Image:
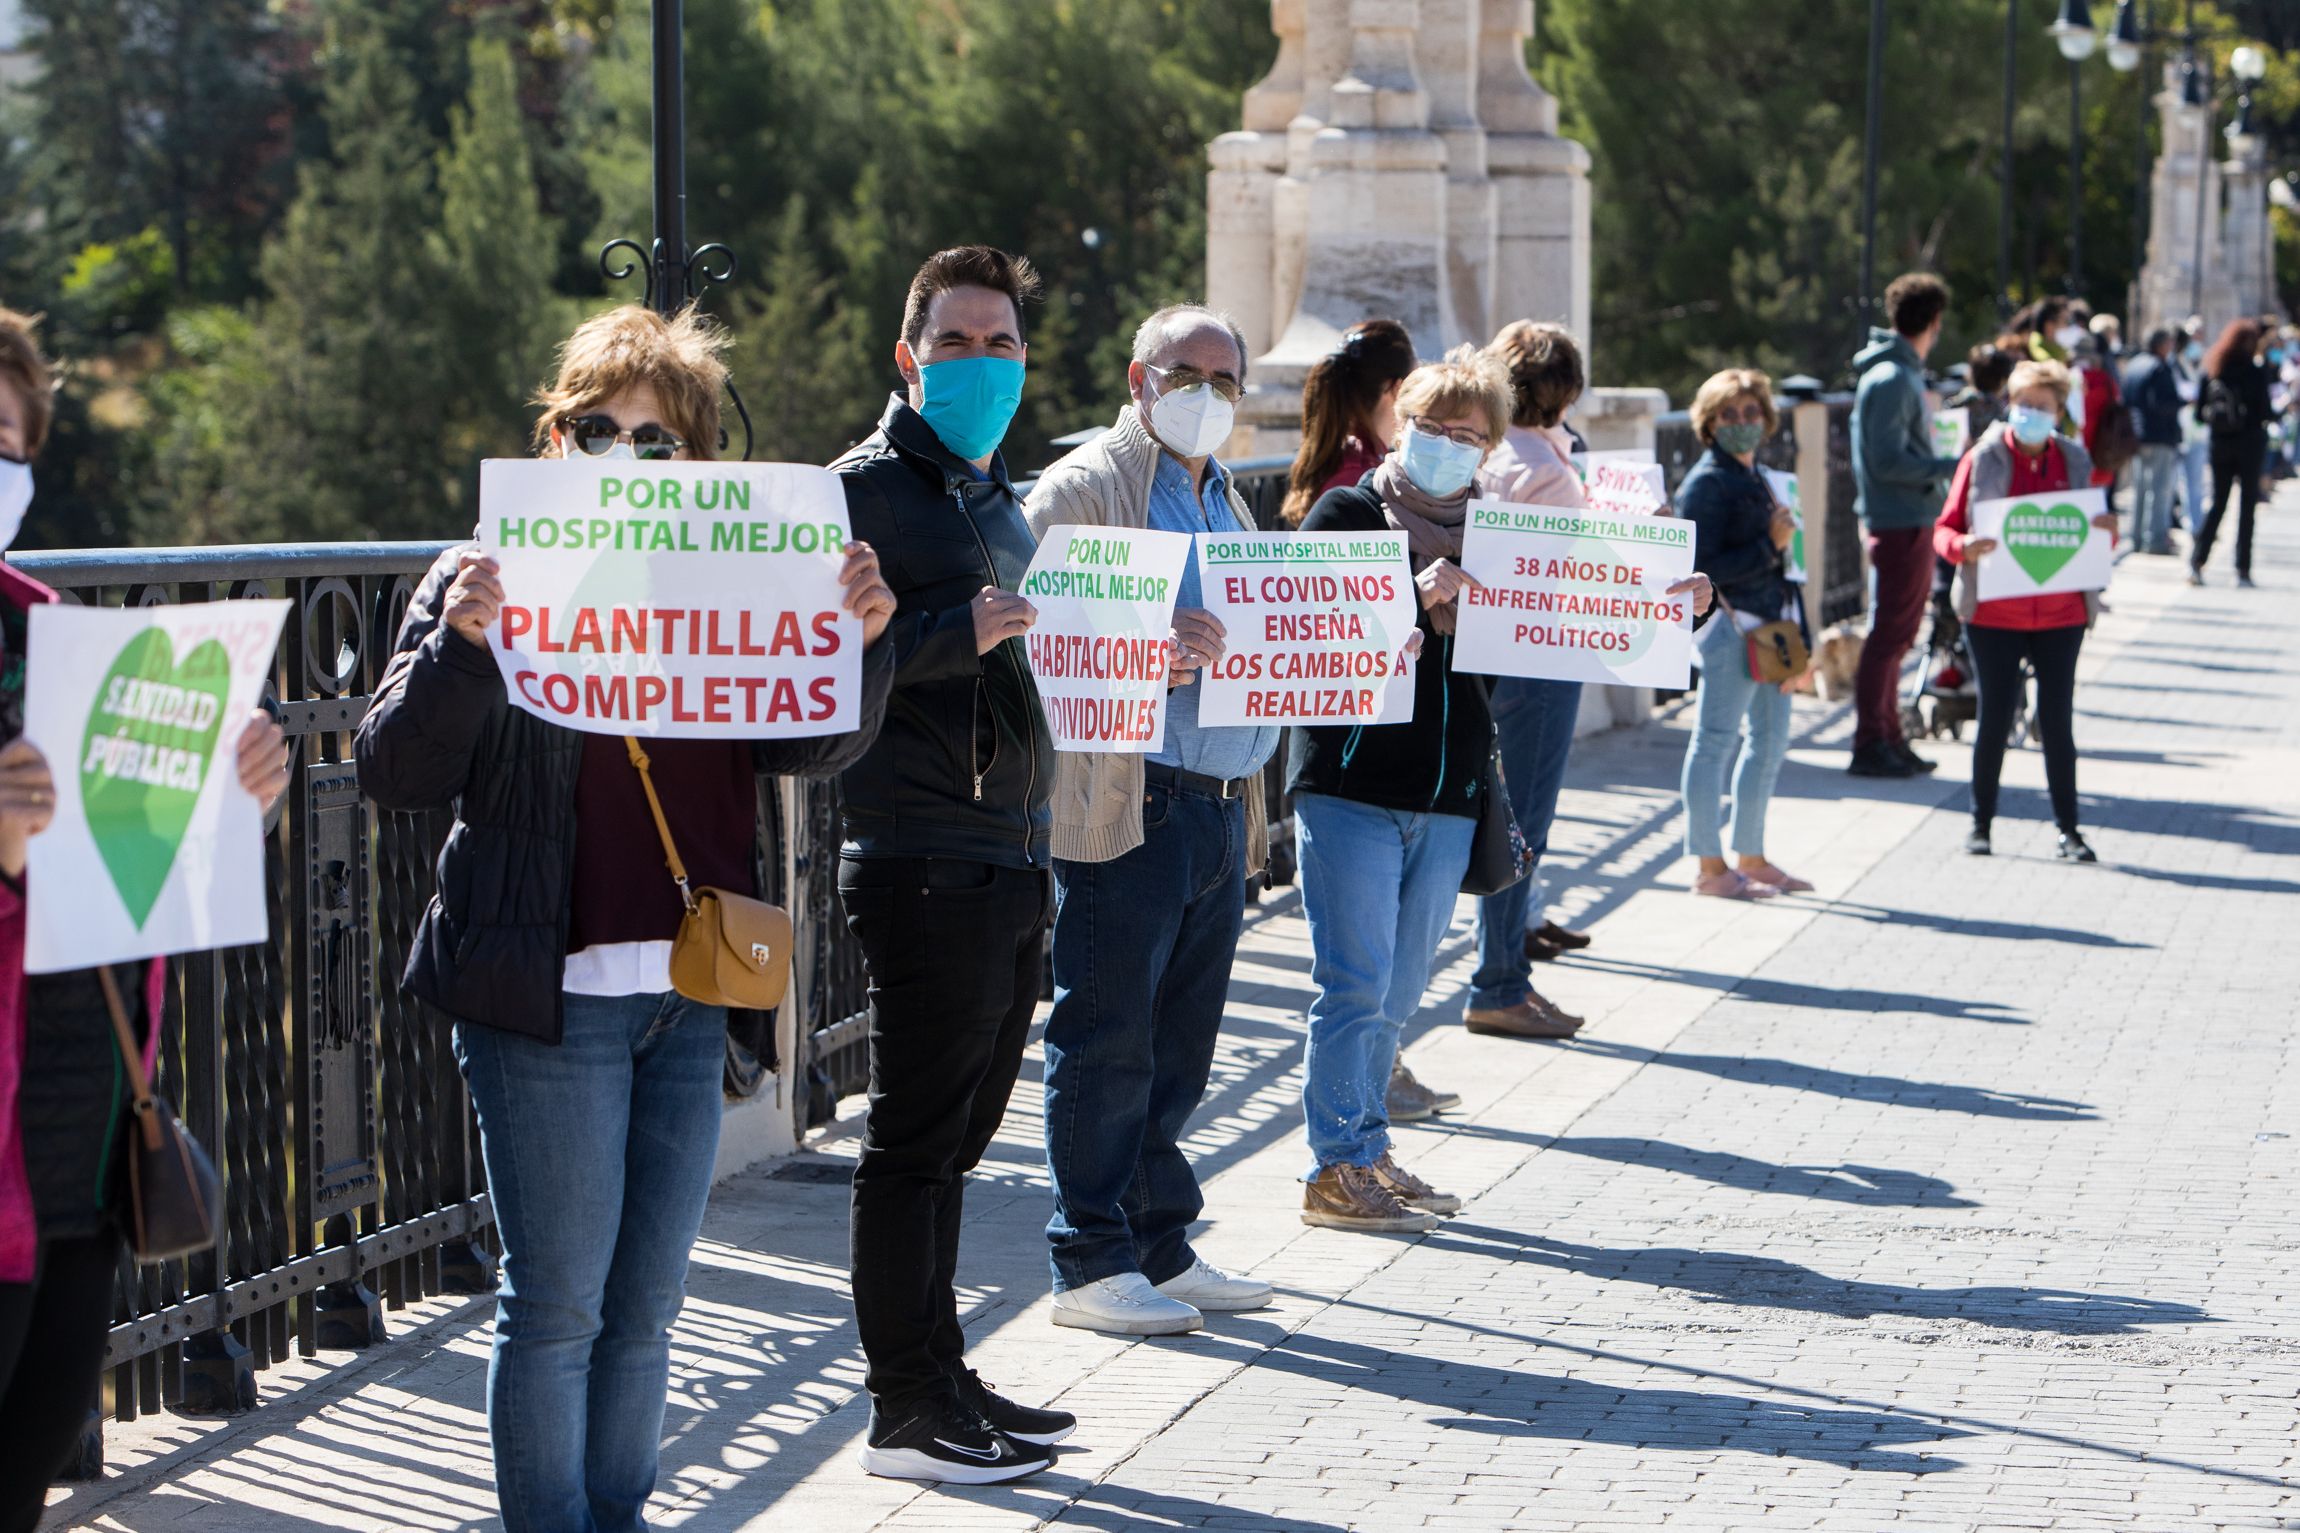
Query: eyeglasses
[1741, 415]
[1460, 436]
[1182, 380]
[594, 435]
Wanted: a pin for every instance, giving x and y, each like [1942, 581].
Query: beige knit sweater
[1097, 796]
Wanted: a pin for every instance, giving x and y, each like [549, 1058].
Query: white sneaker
[1210, 1288]
[1125, 1305]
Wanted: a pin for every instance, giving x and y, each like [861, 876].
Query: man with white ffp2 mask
[1151, 857]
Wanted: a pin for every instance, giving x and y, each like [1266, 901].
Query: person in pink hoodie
[62, 1095]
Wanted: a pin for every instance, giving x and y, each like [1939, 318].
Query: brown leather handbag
[173, 1191]
[731, 950]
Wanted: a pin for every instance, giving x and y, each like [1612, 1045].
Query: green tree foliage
[307, 259]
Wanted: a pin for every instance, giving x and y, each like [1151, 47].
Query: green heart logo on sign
[2044, 538]
[145, 755]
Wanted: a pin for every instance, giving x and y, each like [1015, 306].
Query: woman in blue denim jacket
[1741, 535]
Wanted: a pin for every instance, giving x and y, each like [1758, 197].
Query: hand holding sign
[1198, 636]
[27, 801]
[476, 598]
[1441, 580]
[999, 616]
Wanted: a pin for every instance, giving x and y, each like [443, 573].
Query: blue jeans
[2153, 472]
[1533, 721]
[1735, 708]
[599, 1155]
[1378, 887]
[1142, 951]
[2195, 460]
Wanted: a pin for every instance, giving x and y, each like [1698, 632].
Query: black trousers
[955, 952]
[2051, 653]
[2238, 467]
[51, 1355]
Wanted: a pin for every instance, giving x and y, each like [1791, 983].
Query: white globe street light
[2248, 63]
[2124, 38]
[2073, 31]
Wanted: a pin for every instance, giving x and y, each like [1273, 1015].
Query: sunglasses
[593, 435]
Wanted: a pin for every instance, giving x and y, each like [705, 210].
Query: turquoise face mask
[970, 401]
[2032, 428]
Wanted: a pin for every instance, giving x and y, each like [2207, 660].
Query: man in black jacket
[2152, 394]
[945, 870]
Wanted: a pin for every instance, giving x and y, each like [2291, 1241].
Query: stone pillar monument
[2244, 232]
[1397, 161]
[2187, 268]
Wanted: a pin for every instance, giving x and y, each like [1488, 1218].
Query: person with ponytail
[1349, 412]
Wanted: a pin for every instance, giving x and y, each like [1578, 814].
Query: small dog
[1837, 657]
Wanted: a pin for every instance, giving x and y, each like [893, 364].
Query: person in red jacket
[2023, 456]
[2102, 398]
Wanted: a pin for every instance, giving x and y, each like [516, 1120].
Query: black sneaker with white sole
[942, 1440]
[1023, 1423]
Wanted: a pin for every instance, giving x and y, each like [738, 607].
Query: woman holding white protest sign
[550, 940]
[1385, 813]
[2022, 455]
[1741, 538]
[1533, 716]
[64, 1096]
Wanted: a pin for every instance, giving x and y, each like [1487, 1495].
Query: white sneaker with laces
[1208, 1287]
[1125, 1305]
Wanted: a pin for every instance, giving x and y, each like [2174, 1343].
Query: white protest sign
[1315, 626]
[2046, 543]
[694, 601]
[1626, 488]
[1785, 491]
[1105, 600]
[1574, 596]
[1952, 433]
[155, 847]
[1583, 462]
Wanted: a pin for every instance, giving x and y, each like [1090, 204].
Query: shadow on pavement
[1726, 1277]
[2222, 881]
[1573, 1410]
[1980, 1101]
[1775, 992]
[1876, 1186]
[1121, 1509]
[1979, 926]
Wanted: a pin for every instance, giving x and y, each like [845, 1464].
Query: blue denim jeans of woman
[1533, 723]
[599, 1154]
[1142, 950]
[1378, 889]
[1743, 726]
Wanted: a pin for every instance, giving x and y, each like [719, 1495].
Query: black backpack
[2225, 412]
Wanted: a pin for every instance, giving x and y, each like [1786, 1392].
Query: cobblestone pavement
[1957, 1195]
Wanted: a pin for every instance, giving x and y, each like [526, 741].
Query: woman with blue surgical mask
[1385, 814]
[2025, 455]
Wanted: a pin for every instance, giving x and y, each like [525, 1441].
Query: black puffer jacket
[1731, 508]
[492, 945]
[965, 765]
[1433, 764]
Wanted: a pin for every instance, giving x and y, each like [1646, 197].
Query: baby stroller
[1943, 699]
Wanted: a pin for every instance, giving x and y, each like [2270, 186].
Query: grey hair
[1153, 331]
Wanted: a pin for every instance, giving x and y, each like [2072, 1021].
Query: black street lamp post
[2072, 30]
[675, 275]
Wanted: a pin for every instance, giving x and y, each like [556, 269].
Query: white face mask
[2068, 336]
[1193, 421]
[15, 497]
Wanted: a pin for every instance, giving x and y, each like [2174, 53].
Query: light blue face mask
[970, 401]
[2032, 428]
[1438, 465]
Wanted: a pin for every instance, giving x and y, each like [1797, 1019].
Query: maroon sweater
[623, 889]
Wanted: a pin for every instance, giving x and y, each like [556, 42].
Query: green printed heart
[2043, 538]
[145, 755]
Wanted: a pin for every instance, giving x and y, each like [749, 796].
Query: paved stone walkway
[1958, 1195]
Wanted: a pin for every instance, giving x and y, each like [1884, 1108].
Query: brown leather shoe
[1529, 1018]
[1562, 936]
[1411, 1190]
[1353, 1198]
[1539, 949]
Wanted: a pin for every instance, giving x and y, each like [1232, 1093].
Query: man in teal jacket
[1898, 482]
